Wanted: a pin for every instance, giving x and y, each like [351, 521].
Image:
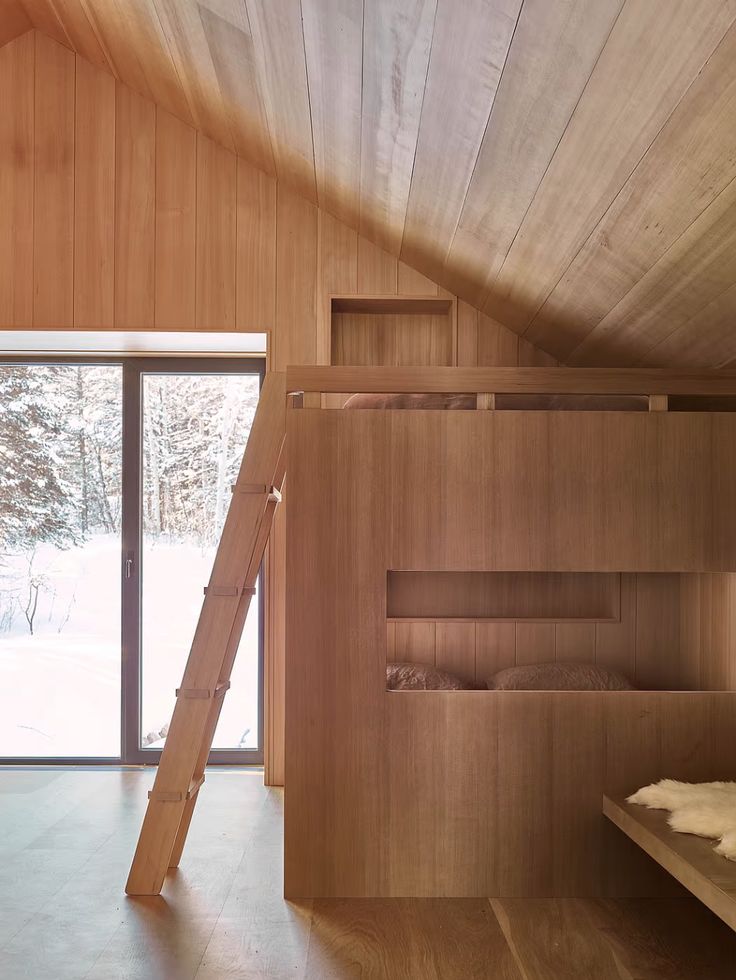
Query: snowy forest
[61, 461]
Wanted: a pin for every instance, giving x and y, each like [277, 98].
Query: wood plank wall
[708, 629]
[116, 215]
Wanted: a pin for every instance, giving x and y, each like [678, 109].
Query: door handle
[129, 565]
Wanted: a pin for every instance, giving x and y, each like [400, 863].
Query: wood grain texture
[237, 922]
[688, 858]
[53, 207]
[17, 181]
[568, 209]
[255, 275]
[216, 236]
[135, 209]
[448, 142]
[176, 223]
[94, 197]
[557, 163]
[477, 793]
[287, 257]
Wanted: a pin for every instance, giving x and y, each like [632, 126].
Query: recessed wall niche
[393, 330]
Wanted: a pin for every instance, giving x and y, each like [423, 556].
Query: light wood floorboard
[66, 839]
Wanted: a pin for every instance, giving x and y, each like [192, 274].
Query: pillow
[559, 677]
[422, 677]
[437, 400]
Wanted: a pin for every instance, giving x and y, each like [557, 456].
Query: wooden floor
[66, 839]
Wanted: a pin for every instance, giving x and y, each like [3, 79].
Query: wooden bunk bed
[478, 538]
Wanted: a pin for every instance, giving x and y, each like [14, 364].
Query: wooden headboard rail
[458, 380]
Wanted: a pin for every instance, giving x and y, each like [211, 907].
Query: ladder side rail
[214, 647]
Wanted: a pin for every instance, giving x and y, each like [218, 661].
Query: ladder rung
[272, 493]
[228, 590]
[203, 693]
[167, 796]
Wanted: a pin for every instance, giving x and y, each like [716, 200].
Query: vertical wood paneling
[135, 209]
[495, 649]
[296, 276]
[94, 197]
[415, 643]
[575, 642]
[497, 346]
[176, 217]
[413, 283]
[16, 182]
[535, 643]
[377, 270]
[616, 642]
[216, 236]
[658, 632]
[524, 737]
[256, 250]
[337, 271]
[455, 649]
[53, 224]
[467, 335]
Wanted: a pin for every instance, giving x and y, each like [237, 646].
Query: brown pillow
[437, 400]
[559, 677]
[422, 677]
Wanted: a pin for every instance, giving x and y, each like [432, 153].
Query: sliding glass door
[114, 485]
[60, 527]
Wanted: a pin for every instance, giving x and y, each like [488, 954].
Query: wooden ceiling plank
[333, 43]
[279, 46]
[142, 22]
[469, 51]
[655, 50]
[184, 33]
[81, 31]
[684, 170]
[44, 18]
[555, 47]
[14, 20]
[234, 59]
[697, 268]
[707, 340]
[397, 39]
[121, 42]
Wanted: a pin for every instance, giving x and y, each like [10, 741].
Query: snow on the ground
[60, 688]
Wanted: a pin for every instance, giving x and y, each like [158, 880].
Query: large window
[114, 484]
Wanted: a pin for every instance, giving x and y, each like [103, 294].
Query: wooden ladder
[207, 674]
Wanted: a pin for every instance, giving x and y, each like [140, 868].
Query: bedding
[559, 677]
[422, 677]
[705, 809]
[509, 402]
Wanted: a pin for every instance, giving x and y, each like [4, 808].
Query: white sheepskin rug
[705, 809]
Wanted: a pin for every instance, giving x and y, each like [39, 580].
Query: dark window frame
[133, 369]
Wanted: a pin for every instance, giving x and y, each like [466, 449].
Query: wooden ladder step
[256, 494]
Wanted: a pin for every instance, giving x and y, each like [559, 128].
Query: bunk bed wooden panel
[480, 793]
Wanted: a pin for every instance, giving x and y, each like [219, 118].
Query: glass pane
[195, 428]
[60, 473]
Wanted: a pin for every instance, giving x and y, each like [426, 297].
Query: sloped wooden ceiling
[566, 165]
[14, 20]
